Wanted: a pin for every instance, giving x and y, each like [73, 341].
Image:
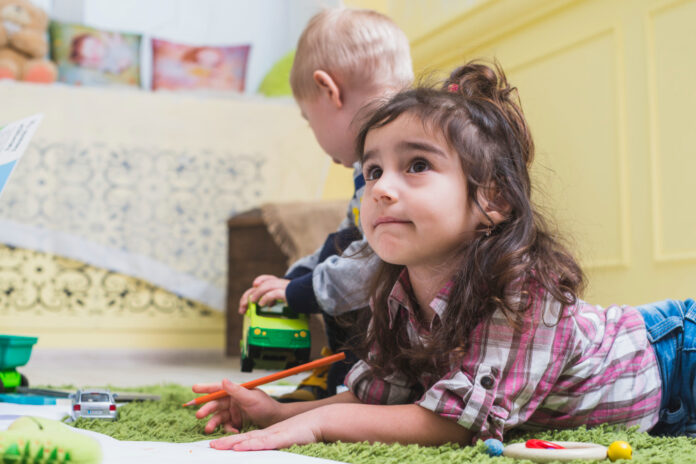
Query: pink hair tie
[453, 88]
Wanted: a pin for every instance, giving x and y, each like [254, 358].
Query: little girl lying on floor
[477, 326]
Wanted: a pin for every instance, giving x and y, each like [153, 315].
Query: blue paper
[5, 171]
[14, 139]
[19, 398]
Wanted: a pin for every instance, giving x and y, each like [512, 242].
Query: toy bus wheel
[24, 382]
[254, 351]
[247, 364]
[2, 387]
[302, 355]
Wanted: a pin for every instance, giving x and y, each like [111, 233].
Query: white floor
[128, 367]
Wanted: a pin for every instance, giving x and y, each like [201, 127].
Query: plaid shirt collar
[401, 298]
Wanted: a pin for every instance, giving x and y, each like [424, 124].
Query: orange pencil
[270, 378]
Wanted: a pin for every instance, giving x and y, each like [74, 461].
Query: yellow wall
[339, 183]
[607, 86]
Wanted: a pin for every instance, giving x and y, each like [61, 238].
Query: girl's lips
[389, 220]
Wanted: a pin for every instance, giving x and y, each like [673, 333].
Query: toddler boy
[345, 59]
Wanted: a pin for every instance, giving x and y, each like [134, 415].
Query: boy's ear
[329, 87]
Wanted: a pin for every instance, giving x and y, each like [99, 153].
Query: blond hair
[356, 47]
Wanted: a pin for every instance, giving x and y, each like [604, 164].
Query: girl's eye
[419, 165]
[373, 173]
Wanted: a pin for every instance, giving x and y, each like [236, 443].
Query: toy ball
[619, 450]
[494, 447]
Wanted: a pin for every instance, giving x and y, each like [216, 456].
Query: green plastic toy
[277, 82]
[14, 351]
[37, 440]
[274, 337]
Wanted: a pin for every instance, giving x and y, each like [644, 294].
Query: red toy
[534, 443]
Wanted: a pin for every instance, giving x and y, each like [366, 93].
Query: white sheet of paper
[147, 452]
[14, 139]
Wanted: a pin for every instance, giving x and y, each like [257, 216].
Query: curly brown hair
[480, 115]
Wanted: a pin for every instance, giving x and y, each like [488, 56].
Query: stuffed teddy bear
[23, 44]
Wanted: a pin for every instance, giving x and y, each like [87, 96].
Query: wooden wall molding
[483, 23]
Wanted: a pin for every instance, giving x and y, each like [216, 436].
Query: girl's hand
[302, 429]
[240, 406]
[265, 289]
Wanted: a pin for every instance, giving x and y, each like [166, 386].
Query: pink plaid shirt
[594, 366]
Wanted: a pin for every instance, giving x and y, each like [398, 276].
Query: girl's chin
[392, 249]
[392, 258]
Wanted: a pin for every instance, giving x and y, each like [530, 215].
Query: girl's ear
[328, 87]
[494, 206]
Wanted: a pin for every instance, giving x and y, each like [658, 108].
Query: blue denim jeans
[671, 327]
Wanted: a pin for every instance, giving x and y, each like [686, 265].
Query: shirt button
[487, 382]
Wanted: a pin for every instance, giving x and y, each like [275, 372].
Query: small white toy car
[93, 404]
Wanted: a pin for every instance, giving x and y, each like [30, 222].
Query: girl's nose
[384, 189]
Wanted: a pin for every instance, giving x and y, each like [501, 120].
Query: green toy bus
[274, 337]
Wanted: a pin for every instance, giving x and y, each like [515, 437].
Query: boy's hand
[265, 289]
[233, 411]
[302, 429]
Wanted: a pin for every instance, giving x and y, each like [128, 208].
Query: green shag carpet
[166, 420]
